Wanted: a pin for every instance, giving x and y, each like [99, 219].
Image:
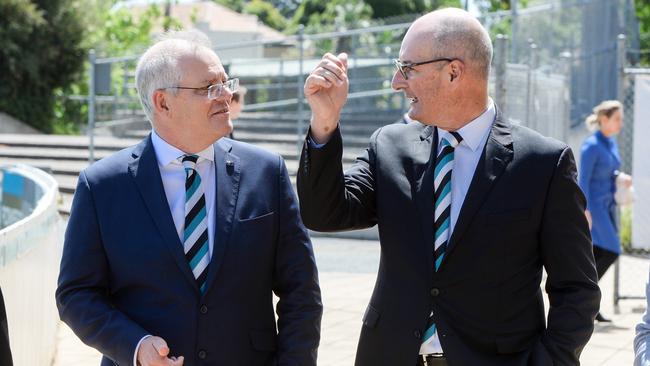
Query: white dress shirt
[172, 174]
[466, 156]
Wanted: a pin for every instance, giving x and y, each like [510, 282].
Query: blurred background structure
[68, 69]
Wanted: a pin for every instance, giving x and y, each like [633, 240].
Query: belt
[435, 359]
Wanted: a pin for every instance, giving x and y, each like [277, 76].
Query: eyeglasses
[214, 91]
[404, 68]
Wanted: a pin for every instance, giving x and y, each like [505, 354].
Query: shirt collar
[473, 132]
[167, 154]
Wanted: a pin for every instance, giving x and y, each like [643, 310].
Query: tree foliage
[643, 15]
[41, 52]
[267, 13]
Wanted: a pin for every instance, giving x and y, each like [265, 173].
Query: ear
[160, 102]
[456, 70]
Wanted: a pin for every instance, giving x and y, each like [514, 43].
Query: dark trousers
[604, 259]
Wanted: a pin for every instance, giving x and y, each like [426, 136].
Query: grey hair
[458, 38]
[158, 66]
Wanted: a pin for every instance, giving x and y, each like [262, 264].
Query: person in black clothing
[5, 351]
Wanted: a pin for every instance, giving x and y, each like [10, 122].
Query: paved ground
[347, 274]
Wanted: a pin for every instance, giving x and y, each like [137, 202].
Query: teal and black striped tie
[195, 240]
[442, 200]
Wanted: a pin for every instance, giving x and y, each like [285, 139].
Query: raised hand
[326, 90]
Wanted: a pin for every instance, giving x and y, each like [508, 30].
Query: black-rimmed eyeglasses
[214, 91]
[404, 67]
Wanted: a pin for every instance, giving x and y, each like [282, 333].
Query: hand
[326, 90]
[588, 215]
[624, 179]
[153, 351]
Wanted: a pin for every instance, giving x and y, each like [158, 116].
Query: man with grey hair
[175, 247]
[462, 254]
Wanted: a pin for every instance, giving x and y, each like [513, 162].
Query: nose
[225, 94]
[398, 82]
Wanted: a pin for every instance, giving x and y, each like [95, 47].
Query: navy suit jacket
[523, 212]
[124, 275]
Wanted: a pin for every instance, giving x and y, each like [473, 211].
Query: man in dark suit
[175, 246]
[462, 254]
[5, 349]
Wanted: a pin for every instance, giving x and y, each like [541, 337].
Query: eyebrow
[219, 78]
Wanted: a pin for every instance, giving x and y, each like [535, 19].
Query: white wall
[641, 163]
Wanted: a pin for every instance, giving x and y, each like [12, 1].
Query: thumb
[161, 346]
[344, 59]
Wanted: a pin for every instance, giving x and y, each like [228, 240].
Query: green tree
[41, 52]
[267, 13]
[643, 15]
[388, 8]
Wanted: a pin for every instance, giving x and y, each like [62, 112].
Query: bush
[41, 52]
[626, 228]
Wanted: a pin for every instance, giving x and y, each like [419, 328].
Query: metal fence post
[91, 107]
[567, 59]
[620, 67]
[514, 29]
[500, 67]
[620, 96]
[301, 95]
[530, 87]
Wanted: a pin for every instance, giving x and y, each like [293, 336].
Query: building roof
[217, 17]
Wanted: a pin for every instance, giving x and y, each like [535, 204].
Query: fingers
[176, 361]
[160, 346]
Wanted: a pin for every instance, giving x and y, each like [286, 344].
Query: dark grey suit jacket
[523, 213]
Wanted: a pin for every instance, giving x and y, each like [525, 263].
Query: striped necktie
[195, 234]
[442, 201]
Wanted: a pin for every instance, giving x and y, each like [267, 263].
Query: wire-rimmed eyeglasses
[214, 91]
[404, 67]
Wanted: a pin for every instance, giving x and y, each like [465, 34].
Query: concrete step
[65, 203]
[50, 153]
[281, 126]
[65, 141]
[60, 167]
[67, 183]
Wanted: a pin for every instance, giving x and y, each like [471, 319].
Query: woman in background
[599, 166]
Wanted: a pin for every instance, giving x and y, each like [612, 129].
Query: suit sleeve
[588, 157]
[295, 283]
[83, 286]
[331, 200]
[572, 283]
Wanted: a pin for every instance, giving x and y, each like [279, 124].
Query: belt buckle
[424, 358]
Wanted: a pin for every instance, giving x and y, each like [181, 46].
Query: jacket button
[435, 292]
[417, 334]
[203, 309]
[203, 354]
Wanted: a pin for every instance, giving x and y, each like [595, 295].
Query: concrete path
[347, 273]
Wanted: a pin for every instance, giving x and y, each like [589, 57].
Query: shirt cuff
[135, 354]
[313, 144]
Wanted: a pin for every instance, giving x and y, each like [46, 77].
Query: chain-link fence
[532, 93]
[632, 270]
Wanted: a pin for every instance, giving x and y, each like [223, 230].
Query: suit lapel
[144, 170]
[227, 173]
[422, 188]
[496, 155]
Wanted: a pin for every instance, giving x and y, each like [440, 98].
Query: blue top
[599, 166]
